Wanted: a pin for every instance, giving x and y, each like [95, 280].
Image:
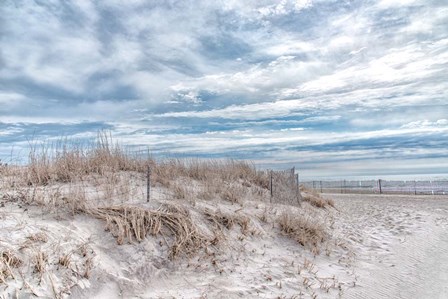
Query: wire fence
[139, 187]
[430, 187]
[284, 186]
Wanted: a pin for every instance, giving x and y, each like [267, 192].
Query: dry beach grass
[201, 213]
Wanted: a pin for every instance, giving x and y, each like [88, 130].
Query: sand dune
[242, 245]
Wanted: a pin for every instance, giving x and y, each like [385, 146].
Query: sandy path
[401, 244]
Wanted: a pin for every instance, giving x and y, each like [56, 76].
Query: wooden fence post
[298, 188]
[379, 186]
[148, 183]
[293, 175]
[271, 185]
[320, 186]
[297, 180]
[415, 187]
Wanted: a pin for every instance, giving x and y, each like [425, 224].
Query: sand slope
[380, 247]
[254, 262]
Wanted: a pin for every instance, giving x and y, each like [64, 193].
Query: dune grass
[63, 177]
[8, 261]
[314, 198]
[69, 161]
[200, 208]
[134, 223]
[305, 229]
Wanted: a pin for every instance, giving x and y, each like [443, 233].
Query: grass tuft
[8, 260]
[128, 223]
[307, 231]
[228, 220]
[40, 263]
[316, 200]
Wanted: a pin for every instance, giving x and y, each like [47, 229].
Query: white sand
[382, 247]
[401, 244]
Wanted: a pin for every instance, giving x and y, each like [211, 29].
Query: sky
[334, 88]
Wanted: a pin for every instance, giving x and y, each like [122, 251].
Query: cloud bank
[328, 86]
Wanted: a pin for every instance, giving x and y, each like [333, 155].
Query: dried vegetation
[315, 199]
[86, 179]
[227, 220]
[8, 261]
[305, 229]
[134, 223]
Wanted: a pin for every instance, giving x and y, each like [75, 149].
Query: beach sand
[380, 247]
[401, 244]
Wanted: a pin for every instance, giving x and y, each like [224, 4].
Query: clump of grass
[129, 223]
[38, 237]
[39, 167]
[65, 260]
[208, 170]
[88, 265]
[307, 231]
[228, 220]
[316, 200]
[40, 263]
[8, 260]
[233, 194]
[210, 190]
[67, 161]
[12, 259]
[264, 217]
[179, 191]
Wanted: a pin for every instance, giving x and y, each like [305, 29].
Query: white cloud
[40, 48]
[426, 124]
[10, 98]
[289, 47]
[284, 7]
[397, 3]
[341, 42]
[220, 142]
[258, 80]
[280, 66]
[291, 129]
[251, 111]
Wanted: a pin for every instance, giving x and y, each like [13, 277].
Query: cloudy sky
[335, 88]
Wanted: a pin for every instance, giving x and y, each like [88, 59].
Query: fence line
[380, 186]
[283, 187]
